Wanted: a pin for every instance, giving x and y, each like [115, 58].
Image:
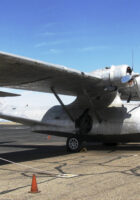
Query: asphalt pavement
[101, 173]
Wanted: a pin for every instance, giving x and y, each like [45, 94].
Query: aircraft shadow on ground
[35, 152]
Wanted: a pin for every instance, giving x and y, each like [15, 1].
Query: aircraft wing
[98, 86]
[22, 73]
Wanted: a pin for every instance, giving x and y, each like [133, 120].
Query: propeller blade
[126, 79]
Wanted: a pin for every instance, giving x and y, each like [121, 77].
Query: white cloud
[47, 33]
[31, 105]
[33, 98]
[41, 44]
[51, 43]
[55, 51]
[57, 42]
[50, 24]
[92, 48]
[36, 99]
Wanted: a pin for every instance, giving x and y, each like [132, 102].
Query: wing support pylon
[62, 104]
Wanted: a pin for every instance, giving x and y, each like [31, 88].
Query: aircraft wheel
[74, 144]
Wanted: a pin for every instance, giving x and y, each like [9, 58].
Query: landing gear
[83, 125]
[74, 144]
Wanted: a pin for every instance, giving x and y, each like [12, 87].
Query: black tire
[74, 144]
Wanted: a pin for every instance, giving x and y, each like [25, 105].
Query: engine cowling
[120, 74]
[137, 85]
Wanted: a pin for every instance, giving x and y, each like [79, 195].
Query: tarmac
[101, 173]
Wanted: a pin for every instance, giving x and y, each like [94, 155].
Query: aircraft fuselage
[119, 124]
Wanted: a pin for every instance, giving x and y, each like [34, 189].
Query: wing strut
[91, 103]
[62, 104]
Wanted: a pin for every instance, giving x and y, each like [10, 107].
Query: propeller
[137, 83]
[131, 79]
[135, 80]
[126, 79]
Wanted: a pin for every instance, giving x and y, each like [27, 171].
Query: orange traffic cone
[34, 188]
[49, 137]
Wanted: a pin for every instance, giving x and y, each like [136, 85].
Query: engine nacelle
[137, 85]
[118, 72]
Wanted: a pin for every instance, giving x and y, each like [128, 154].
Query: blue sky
[81, 34]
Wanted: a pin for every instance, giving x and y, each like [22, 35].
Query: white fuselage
[120, 121]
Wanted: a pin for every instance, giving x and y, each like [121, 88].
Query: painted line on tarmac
[48, 173]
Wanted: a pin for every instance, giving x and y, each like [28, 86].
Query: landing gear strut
[83, 124]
